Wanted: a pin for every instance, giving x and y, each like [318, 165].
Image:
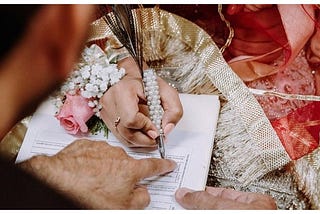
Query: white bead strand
[151, 90]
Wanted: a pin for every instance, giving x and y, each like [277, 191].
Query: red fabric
[282, 29]
[262, 24]
[299, 130]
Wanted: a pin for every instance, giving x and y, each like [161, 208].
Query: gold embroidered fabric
[158, 28]
[248, 155]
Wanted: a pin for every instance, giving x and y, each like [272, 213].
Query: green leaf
[96, 125]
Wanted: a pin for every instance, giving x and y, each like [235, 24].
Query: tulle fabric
[285, 59]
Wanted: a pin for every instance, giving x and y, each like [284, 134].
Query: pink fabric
[298, 22]
[297, 29]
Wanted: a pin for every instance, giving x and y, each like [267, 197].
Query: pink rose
[74, 114]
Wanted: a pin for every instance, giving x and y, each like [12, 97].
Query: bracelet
[93, 75]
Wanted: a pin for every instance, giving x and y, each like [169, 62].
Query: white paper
[189, 144]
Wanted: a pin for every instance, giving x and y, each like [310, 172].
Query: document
[190, 144]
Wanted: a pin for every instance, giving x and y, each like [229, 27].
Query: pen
[151, 90]
[160, 142]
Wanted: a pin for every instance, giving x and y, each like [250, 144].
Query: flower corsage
[78, 98]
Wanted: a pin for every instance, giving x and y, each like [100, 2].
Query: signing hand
[222, 198]
[126, 100]
[98, 176]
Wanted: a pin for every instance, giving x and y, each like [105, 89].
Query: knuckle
[129, 122]
[145, 198]
[130, 137]
[200, 200]
[192, 199]
[195, 196]
[178, 112]
[141, 201]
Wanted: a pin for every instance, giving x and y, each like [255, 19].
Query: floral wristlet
[78, 98]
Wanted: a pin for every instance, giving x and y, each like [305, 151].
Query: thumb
[150, 167]
[172, 106]
[190, 199]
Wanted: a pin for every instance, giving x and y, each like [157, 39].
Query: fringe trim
[307, 171]
[181, 65]
[264, 152]
[237, 147]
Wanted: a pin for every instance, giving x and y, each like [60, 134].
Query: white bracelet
[93, 75]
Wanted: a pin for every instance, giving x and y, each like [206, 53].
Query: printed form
[189, 144]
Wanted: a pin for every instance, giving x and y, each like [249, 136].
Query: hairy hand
[98, 176]
[222, 198]
[126, 100]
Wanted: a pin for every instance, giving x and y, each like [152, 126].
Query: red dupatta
[299, 129]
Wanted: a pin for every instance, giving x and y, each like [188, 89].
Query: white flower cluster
[93, 76]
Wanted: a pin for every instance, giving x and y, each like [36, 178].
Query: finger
[244, 197]
[136, 137]
[171, 104]
[227, 193]
[130, 113]
[153, 166]
[141, 122]
[140, 199]
[203, 200]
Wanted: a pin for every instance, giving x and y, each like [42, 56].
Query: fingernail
[152, 134]
[180, 193]
[169, 127]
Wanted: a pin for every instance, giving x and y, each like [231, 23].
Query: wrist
[131, 67]
[39, 167]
